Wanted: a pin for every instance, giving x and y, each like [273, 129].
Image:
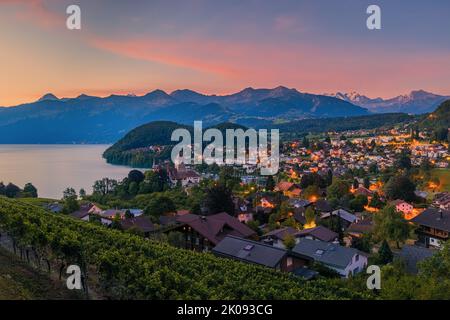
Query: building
[85, 211]
[289, 189]
[402, 206]
[202, 233]
[360, 228]
[320, 233]
[259, 253]
[412, 255]
[276, 237]
[180, 174]
[141, 224]
[442, 200]
[433, 227]
[346, 217]
[343, 260]
[323, 206]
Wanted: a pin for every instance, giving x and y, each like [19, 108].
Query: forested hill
[126, 266]
[440, 118]
[133, 149]
[343, 124]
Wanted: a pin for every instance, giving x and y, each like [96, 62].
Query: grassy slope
[18, 281]
[444, 177]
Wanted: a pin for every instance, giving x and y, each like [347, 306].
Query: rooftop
[250, 251]
[434, 218]
[327, 253]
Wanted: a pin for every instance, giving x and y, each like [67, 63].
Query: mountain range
[416, 102]
[88, 119]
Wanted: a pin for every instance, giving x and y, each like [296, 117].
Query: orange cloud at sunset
[135, 48]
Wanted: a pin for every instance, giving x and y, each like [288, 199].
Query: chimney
[441, 214]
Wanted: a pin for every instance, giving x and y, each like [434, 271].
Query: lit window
[289, 261]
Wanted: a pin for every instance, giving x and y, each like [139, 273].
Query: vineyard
[119, 265]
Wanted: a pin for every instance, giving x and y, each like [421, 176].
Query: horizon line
[142, 93]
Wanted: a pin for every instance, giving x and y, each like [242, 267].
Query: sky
[221, 47]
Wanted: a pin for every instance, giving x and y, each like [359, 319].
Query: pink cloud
[37, 12]
[306, 67]
[201, 55]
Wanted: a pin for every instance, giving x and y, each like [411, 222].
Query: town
[340, 202]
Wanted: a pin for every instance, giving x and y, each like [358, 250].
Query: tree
[329, 178]
[219, 198]
[159, 205]
[425, 165]
[128, 214]
[82, 193]
[104, 186]
[311, 191]
[115, 224]
[310, 215]
[359, 203]
[228, 177]
[136, 176]
[70, 201]
[133, 188]
[30, 191]
[355, 184]
[312, 179]
[366, 182]
[362, 244]
[400, 187]
[289, 242]
[254, 225]
[338, 189]
[391, 226]
[155, 181]
[12, 191]
[270, 183]
[376, 202]
[373, 168]
[403, 162]
[385, 255]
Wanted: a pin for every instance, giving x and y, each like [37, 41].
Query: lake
[52, 168]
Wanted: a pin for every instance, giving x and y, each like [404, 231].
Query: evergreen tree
[385, 255]
[270, 183]
[30, 191]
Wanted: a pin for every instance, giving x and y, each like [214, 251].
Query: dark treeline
[12, 191]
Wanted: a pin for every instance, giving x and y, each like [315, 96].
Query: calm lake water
[52, 168]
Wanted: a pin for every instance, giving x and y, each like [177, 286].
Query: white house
[343, 260]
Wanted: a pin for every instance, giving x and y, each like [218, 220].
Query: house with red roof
[202, 233]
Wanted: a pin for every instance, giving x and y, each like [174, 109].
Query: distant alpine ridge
[87, 119]
[416, 102]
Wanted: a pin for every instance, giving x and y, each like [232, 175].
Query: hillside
[133, 148]
[125, 266]
[87, 119]
[342, 124]
[19, 281]
[440, 118]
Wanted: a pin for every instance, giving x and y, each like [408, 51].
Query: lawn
[444, 177]
[19, 281]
